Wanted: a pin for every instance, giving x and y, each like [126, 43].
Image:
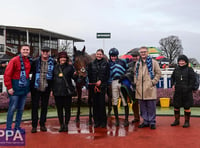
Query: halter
[80, 67]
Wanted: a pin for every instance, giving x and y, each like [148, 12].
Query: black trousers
[99, 108]
[63, 103]
[36, 96]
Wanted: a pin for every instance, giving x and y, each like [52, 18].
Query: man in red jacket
[16, 79]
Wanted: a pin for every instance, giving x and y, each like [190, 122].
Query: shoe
[135, 121]
[186, 124]
[153, 126]
[65, 128]
[34, 130]
[103, 125]
[96, 125]
[61, 128]
[143, 125]
[22, 131]
[43, 129]
[175, 123]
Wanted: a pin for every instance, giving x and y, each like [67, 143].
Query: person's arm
[8, 76]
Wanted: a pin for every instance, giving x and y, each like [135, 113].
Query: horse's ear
[75, 49]
[83, 50]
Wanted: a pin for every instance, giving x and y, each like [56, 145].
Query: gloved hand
[122, 77]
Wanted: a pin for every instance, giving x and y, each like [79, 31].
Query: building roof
[44, 32]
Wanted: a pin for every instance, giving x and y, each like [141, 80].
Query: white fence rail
[2, 86]
[164, 82]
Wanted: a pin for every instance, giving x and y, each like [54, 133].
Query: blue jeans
[15, 103]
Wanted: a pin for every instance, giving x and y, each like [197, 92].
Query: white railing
[164, 82]
[3, 88]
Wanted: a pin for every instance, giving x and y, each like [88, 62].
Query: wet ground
[82, 135]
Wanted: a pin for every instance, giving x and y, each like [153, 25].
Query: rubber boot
[126, 122]
[116, 115]
[177, 118]
[187, 119]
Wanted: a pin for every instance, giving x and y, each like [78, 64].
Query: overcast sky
[131, 23]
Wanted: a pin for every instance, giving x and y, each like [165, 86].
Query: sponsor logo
[12, 137]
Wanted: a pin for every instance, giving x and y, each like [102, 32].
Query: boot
[187, 119]
[126, 122]
[177, 118]
[116, 115]
[65, 128]
[61, 128]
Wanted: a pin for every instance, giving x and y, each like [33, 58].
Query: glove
[122, 77]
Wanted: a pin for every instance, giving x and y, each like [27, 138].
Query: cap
[46, 48]
[135, 53]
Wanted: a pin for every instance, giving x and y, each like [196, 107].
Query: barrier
[2, 86]
[164, 82]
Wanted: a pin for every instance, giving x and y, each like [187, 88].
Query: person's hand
[122, 77]
[11, 91]
[51, 93]
[98, 83]
[173, 87]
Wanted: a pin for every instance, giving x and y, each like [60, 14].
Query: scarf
[149, 66]
[22, 79]
[49, 75]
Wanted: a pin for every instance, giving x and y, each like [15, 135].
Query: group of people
[133, 81]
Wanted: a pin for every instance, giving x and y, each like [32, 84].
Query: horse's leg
[90, 106]
[109, 95]
[79, 91]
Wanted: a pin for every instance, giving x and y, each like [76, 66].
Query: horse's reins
[96, 89]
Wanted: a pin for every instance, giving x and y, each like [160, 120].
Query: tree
[171, 47]
[67, 47]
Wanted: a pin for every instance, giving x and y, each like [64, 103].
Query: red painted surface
[84, 136]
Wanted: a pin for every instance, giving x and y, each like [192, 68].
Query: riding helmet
[113, 52]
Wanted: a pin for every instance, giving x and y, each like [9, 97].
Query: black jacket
[183, 78]
[59, 85]
[99, 70]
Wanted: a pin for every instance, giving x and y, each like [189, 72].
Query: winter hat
[184, 58]
[62, 54]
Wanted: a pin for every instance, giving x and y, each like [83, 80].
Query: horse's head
[81, 59]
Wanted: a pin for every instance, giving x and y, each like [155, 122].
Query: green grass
[160, 111]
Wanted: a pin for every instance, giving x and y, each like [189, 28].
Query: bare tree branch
[171, 47]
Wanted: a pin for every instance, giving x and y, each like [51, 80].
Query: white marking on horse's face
[83, 69]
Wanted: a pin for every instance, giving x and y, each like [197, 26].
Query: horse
[81, 59]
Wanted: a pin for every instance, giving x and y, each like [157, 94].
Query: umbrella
[153, 50]
[126, 56]
[160, 57]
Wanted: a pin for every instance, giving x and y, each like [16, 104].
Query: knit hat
[62, 54]
[184, 58]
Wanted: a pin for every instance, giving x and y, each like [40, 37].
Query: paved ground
[84, 136]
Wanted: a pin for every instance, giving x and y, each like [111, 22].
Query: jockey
[118, 68]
